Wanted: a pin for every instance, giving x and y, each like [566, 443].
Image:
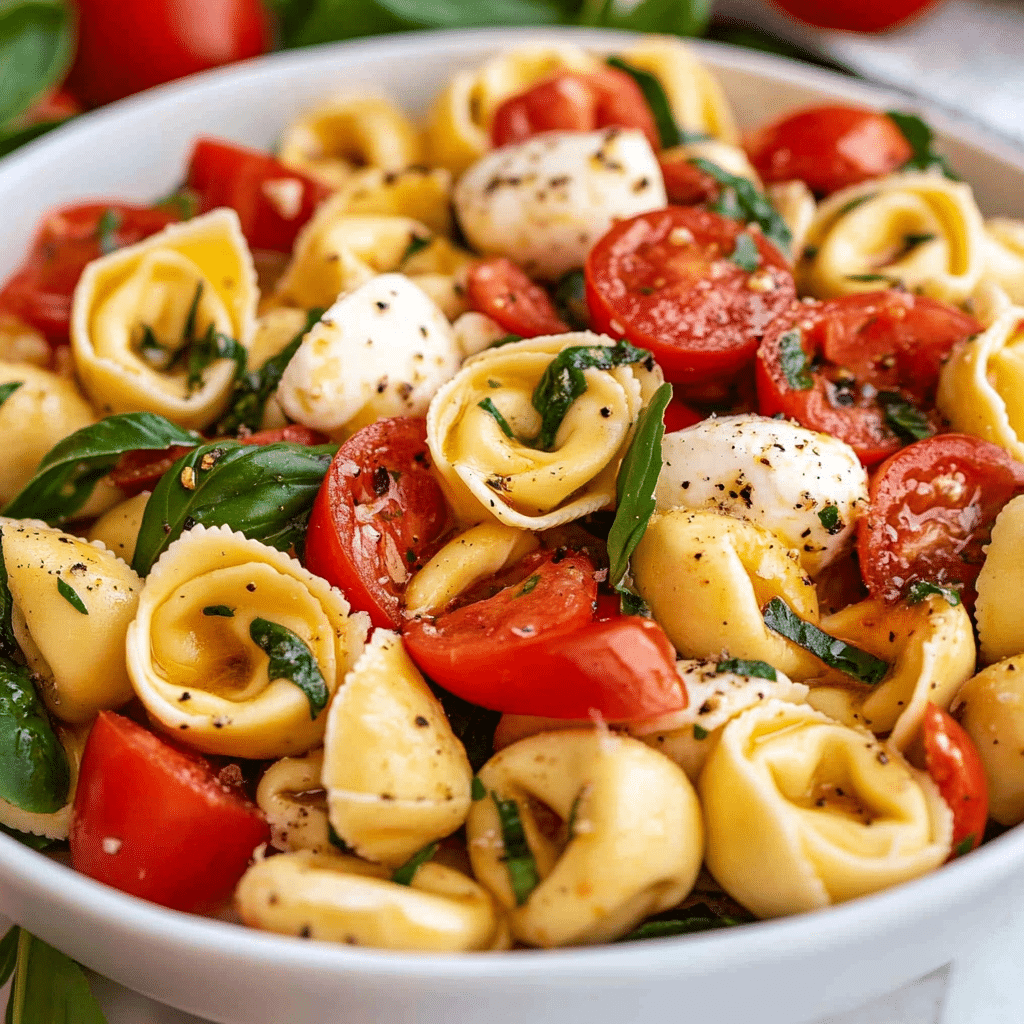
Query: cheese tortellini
[294, 801]
[803, 812]
[1004, 255]
[193, 654]
[997, 612]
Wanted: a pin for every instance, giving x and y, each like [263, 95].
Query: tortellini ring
[1004, 255]
[293, 799]
[997, 612]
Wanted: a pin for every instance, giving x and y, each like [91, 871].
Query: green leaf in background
[522, 868]
[37, 44]
[8, 953]
[13, 139]
[919, 136]
[682, 17]
[291, 659]
[49, 987]
[471, 13]
[571, 300]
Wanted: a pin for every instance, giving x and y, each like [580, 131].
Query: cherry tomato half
[829, 148]
[855, 15]
[931, 510]
[378, 517]
[156, 821]
[686, 184]
[497, 287]
[955, 765]
[664, 280]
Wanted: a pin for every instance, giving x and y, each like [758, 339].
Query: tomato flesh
[156, 822]
[378, 517]
[502, 291]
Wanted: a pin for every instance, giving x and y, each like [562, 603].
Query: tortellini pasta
[73, 602]
[487, 474]
[341, 899]
[630, 842]
[1004, 255]
[292, 797]
[139, 312]
[396, 776]
[118, 528]
[195, 662]
[997, 613]
[917, 229]
[797, 207]
[803, 812]
[22, 343]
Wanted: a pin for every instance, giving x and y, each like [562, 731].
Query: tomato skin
[855, 15]
[931, 509]
[131, 45]
[68, 238]
[575, 102]
[185, 838]
[224, 174]
[829, 148]
[664, 281]
[685, 184]
[378, 517]
[956, 767]
[679, 416]
[501, 290]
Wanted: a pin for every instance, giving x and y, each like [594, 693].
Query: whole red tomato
[131, 45]
[855, 15]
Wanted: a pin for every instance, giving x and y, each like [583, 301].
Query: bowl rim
[764, 941]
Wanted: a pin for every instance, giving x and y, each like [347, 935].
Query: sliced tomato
[535, 648]
[69, 238]
[854, 348]
[378, 518]
[955, 765]
[664, 280]
[574, 102]
[498, 288]
[685, 184]
[157, 822]
[272, 201]
[932, 506]
[679, 416]
[829, 148]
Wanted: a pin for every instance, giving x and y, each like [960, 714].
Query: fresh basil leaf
[793, 361]
[182, 203]
[870, 278]
[528, 586]
[68, 593]
[571, 300]
[8, 389]
[638, 476]
[920, 589]
[67, 474]
[964, 846]
[854, 203]
[913, 241]
[699, 732]
[8, 642]
[37, 43]
[698, 918]
[505, 339]
[903, 418]
[745, 255]
[264, 491]
[34, 772]
[919, 136]
[470, 13]
[252, 390]
[336, 841]
[743, 667]
[518, 858]
[657, 100]
[18, 137]
[473, 725]
[308, 22]
[106, 230]
[219, 610]
[830, 519]
[407, 872]
[33, 842]
[631, 603]
[8, 953]
[835, 653]
[417, 243]
[211, 348]
[488, 406]
[477, 790]
[680, 17]
[291, 659]
[563, 381]
[754, 207]
[49, 987]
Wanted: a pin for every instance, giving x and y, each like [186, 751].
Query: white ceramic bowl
[778, 972]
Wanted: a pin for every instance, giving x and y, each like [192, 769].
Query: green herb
[745, 255]
[488, 406]
[688, 138]
[473, 725]
[263, 491]
[182, 203]
[635, 484]
[252, 390]
[407, 872]
[683, 17]
[699, 732]
[67, 474]
[8, 954]
[903, 418]
[221, 610]
[869, 278]
[68, 593]
[106, 230]
[794, 362]
[920, 589]
[742, 667]
[835, 653]
[631, 603]
[477, 790]
[505, 339]
[8, 389]
[830, 519]
[529, 586]
[152, 351]
[336, 841]
[571, 300]
[518, 858]
[697, 918]
[854, 203]
[920, 137]
[34, 772]
[570, 825]
[209, 349]
[657, 100]
[913, 241]
[741, 200]
[8, 642]
[964, 846]
[417, 243]
[291, 659]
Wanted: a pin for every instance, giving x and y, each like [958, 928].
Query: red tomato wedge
[932, 506]
[679, 416]
[664, 280]
[272, 201]
[829, 148]
[378, 517]
[498, 288]
[69, 238]
[685, 184]
[535, 648]
[156, 822]
[955, 765]
[574, 102]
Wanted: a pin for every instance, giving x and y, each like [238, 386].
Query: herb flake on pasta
[291, 659]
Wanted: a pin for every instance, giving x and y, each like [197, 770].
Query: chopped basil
[699, 732]
[488, 406]
[221, 610]
[571, 300]
[291, 659]
[473, 725]
[570, 825]
[407, 872]
[518, 858]
[920, 137]
[657, 100]
[964, 846]
[182, 203]
[68, 593]
[869, 278]
[697, 918]
[505, 339]
[920, 589]
[632, 604]
[477, 789]
[854, 203]
[903, 418]
[830, 519]
[211, 348]
[793, 361]
[528, 586]
[913, 241]
[837, 654]
[152, 351]
[336, 841]
[106, 231]
[745, 255]
[417, 243]
[742, 667]
[8, 389]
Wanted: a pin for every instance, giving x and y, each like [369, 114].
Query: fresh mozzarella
[772, 472]
[382, 350]
[546, 201]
